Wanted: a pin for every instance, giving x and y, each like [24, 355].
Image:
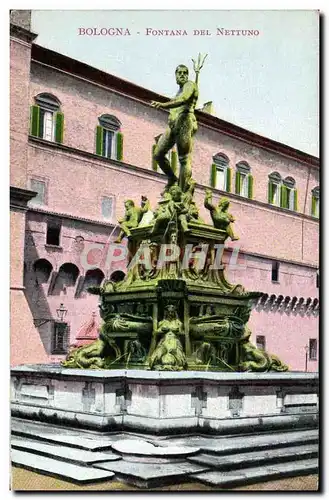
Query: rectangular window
[220, 179]
[40, 188]
[107, 207]
[47, 125]
[244, 185]
[260, 342]
[60, 338]
[275, 271]
[53, 233]
[275, 194]
[108, 143]
[313, 349]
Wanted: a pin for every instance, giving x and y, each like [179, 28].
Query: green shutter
[59, 127]
[35, 121]
[154, 163]
[213, 175]
[237, 182]
[284, 202]
[270, 192]
[120, 146]
[99, 140]
[173, 161]
[313, 205]
[250, 186]
[228, 179]
[295, 200]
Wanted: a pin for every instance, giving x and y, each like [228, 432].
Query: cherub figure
[220, 216]
[132, 218]
[169, 207]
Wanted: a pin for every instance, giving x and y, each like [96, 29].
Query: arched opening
[42, 270]
[67, 276]
[94, 277]
[117, 276]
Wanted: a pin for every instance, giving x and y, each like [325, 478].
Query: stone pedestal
[165, 403]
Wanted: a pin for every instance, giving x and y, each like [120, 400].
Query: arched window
[67, 276]
[274, 188]
[94, 277]
[117, 276]
[221, 173]
[42, 271]
[109, 138]
[47, 121]
[315, 209]
[289, 194]
[243, 180]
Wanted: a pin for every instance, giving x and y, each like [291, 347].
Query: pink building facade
[88, 147]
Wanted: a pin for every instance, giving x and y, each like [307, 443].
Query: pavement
[24, 480]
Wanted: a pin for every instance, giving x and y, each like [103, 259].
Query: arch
[93, 277]
[316, 192]
[47, 101]
[275, 177]
[42, 269]
[117, 276]
[110, 122]
[66, 278]
[221, 159]
[243, 167]
[289, 182]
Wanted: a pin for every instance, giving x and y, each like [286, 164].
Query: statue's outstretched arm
[208, 201]
[184, 97]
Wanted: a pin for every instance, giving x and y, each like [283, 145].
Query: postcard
[164, 286]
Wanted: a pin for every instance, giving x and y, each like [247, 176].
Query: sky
[268, 83]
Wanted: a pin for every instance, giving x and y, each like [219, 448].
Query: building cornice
[80, 69]
[152, 174]
[22, 33]
[64, 215]
[20, 197]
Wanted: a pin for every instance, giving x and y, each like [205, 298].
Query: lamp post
[306, 356]
[61, 312]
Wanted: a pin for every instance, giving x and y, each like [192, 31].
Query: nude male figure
[182, 126]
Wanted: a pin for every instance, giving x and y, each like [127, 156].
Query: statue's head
[224, 203]
[170, 312]
[181, 74]
[175, 192]
[129, 204]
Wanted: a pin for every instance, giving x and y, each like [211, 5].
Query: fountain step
[237, 460]
[258, 474]
[57, 468]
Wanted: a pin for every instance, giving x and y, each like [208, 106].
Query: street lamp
[61, 312]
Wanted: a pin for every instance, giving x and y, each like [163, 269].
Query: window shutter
[228, 179]
[313, 205]
[119, 146]
[154, 163]
[237, 182]
[59, 127]
[284, 197]
[173, 161]
[270, 192]
[99, 140]
[35, 121]
[213, 175]
[250, 186]
[295, 200]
